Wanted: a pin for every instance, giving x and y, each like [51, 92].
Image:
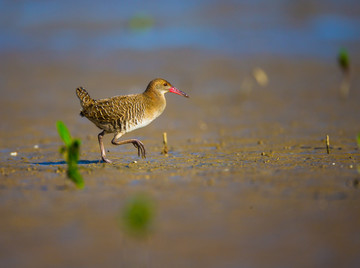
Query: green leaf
[343, 59]
[71, 152]
[64, 133]
[137, 215]
[75, 176]
[74, 152]
[141, 22]
[358, 140]
[72, 160]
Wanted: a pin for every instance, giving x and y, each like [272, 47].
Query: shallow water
[237, 28]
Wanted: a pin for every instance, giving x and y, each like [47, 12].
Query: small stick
[165, 148]
[327, 144]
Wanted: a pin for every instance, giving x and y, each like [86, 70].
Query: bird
[123, 114]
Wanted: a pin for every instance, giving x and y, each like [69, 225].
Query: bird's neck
[155, 102]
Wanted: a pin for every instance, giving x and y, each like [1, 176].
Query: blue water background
[249, 27]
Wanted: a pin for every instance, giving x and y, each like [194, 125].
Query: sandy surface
[247, 182]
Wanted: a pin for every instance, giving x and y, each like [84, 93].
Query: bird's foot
[141, 148]
[104, 159]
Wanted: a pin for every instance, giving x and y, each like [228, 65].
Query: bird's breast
[149, 115]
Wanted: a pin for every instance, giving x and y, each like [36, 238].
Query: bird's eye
[165, 84]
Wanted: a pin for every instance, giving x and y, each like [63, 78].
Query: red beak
[179, 92]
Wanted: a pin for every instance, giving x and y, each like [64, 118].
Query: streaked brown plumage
[122, 114]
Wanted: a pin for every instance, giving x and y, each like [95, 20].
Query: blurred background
[235, 28]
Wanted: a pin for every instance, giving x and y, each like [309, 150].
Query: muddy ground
[247, 181]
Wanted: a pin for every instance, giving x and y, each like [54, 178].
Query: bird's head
[162, 86]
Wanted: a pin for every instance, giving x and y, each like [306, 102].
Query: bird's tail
[84, 97]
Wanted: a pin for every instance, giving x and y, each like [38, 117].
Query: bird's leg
[138, 144]
[102, 148]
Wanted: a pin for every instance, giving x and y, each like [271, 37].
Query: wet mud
[247, 181]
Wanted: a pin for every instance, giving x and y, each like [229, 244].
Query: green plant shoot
[358, 140]
[64, 133]
[137, 215]
[343, 60]
[71, 152]
[141, 22]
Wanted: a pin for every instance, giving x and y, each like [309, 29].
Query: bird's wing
[114, 109]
